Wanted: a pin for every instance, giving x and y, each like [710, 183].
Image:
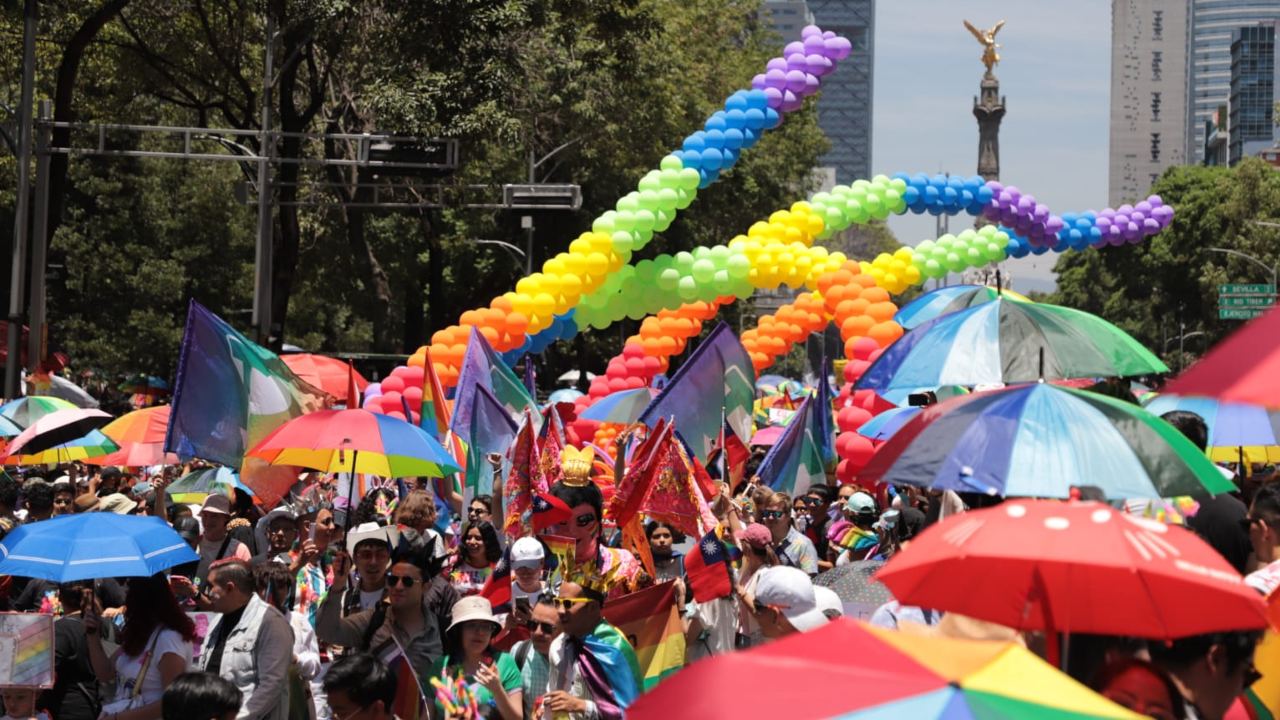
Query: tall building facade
[844, 111]
[1213, 26]
[1251, 102]
[1149, 84]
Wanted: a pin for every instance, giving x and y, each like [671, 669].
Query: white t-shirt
[369, 600]
[168, 643]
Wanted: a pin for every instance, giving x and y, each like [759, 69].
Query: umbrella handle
[351, 491]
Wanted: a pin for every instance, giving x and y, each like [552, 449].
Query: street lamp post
[1273, 269]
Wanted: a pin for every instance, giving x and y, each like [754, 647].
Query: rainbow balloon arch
[593, 284]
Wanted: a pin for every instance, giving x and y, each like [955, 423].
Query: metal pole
[40, 243]
[265, 244]
[18, 271]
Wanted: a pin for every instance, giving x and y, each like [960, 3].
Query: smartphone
[522, 604]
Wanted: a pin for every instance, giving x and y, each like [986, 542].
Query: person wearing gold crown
[614, 569]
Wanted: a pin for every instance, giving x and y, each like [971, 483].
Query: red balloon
[396, 414]
[617, 383]
[844, 472]
[393, 384]
[633, 350]
[635, 383]
[391, 402]
[858, 451]
[652, 366]
[863, 347]
[635, 366]
[413, 394]
[851, 418]
[617, 369]
[413, 375]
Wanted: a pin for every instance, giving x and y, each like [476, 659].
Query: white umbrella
[574, 376]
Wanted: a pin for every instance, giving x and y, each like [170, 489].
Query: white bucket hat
[473, 608]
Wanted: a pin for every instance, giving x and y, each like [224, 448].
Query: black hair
[676, 536]
[418, 551]
[1189, 424]
[271, 576]
[236, 571]
[38, 495]
[1184, 652]
[910, 523]
[363, 678]
[547, 600]
[8, 490]
[826, 492]
[574, 495]
[1267, 502]
[69, 593]
[1108, 673]
[486, 500]
[366, 511]
[199, 696]
[488, 534]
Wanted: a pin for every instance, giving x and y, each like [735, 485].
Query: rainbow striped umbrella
[92, 445]
[948, 300]
[1005, 342]
[1235, 430]
[1040, 440]
[356, 441]
[26, 410]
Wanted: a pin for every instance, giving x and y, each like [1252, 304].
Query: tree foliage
[1167, 286]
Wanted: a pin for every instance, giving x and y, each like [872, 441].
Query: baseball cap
[861, 503]
[757, 536]
[187, 527]
[280, 512]
[828, 602]
[118, 503]
[110, 472]
[527, 553]
[790, 591]
[216, 503]
[372, 531]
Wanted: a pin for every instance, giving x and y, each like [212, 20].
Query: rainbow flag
[410, 702]
[562, 549]
[650, 620]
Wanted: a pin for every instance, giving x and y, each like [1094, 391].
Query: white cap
[372, 531]
[828, 600]
[790, 591]
[527, 552]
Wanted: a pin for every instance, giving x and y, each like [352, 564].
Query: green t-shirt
[508, 672]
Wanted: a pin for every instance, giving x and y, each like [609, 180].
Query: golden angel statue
[988, 39]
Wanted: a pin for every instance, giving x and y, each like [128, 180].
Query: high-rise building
[1253, 70]
[1148, 94]
[844, 110]
[788, 17]
[1213, 24]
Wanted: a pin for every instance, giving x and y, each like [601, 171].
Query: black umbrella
[57, 428]
[857, 587]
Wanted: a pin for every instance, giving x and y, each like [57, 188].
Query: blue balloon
[749, 137]
[735, 119]
[985, 194]
[757, 100]
[714, 139]
[730, 157]
[712, 159]
[733, 139]
[715, 122]
[708, 177]
[931, 196]
[737, 101]
[771, 118]
[691, 158]
[911, 195]
[755, 118]
[696, 141]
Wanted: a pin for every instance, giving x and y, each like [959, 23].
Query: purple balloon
[775, 79]
[1143, 207]
[758, 82]
[838, 48]
[795, 81]
[1040, 212]
[1155, 201]
[811, 84]
[1025, 204]
[773, 96]
[991, 212]
[818, 64]
[776, 64]
[1124, 209]
[814, 43]
[791, 102]
[810, 30]
[1104, 224]
[792, 48]
[1053, 225]
[797, 61]
[1150, 226]
[1137, 216]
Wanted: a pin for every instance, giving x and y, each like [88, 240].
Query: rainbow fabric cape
[650, 621]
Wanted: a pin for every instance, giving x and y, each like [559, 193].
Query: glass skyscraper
[844, 112]
[1213, 26]
[1253, 68]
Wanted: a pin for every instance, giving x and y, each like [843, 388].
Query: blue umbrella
[624, 406]
[769, 380]
[93, 545]
[884, 425]
[1236, 431]
[563, 395]
[948, 300]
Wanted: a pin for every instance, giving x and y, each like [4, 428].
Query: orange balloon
[856, 326]
[882, 311]
[501, 303]
[885, 333]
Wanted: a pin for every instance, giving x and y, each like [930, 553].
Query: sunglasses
[547, 628]
[475, 511]
[772, 514]
[565, 603]
[760, 607]
[394, 580]
[585, 520]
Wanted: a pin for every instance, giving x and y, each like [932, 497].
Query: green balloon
[671, 162]
[703, 270]
[649, 200]
[650, 181]
[630, 201]
[642, 238]
[686, 198]
[668, 279]
[604, 223]
[738, 266]
[684, 262]
[623, 242]
[664, 220]
[688, 288]
[689, 179]
[645, 220]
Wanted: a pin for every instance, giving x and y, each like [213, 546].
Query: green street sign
[1262, 289]
[1240, 313]
[1263, 301]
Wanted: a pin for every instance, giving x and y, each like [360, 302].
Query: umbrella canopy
[140, 435]
[196, 485]
[1235, 429]
[1005, 342]
[1078, 567]
[356, 441]
[1244, 368]
[848, 670]
[92, 445]
[328, 374]
[1041, 440]
[26, 410]
[93, 545]
[64, 389]
[948, 300]
[572, 376]
[563, 395]
[144, 385]
[857, 587]
[57, 428]
[9, 428]
[624, 406]
[884, 425]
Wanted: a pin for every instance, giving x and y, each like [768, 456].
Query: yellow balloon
[554, 266]
[597, 263]
[581, 246]
[912, 275]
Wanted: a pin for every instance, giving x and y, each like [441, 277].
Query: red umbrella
[140, 435]
[1077, 567]
[328, 374]
[1244, 368]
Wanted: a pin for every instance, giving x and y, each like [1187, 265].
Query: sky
[1055, 74]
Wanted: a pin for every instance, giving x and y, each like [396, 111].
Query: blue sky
[1055, 73]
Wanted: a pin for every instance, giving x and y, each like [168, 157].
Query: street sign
[1259, 289]
[1238, 313]
[1263, 301]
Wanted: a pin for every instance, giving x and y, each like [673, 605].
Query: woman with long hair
[479, 551]
[155, 648]
[468, 649]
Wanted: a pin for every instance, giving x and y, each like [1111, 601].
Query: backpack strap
[376, 620]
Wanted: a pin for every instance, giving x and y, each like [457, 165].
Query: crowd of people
[323, 612]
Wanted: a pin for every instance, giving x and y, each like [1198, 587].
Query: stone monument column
[988, 107]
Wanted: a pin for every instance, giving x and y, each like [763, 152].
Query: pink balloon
[396, 414]
[393, 384]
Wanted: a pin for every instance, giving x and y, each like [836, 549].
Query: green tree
[1167, 285]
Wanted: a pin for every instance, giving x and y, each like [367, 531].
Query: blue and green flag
[481, 367]
[795, 463]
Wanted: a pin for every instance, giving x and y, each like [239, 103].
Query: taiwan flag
[707, 568]
[548, 510]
